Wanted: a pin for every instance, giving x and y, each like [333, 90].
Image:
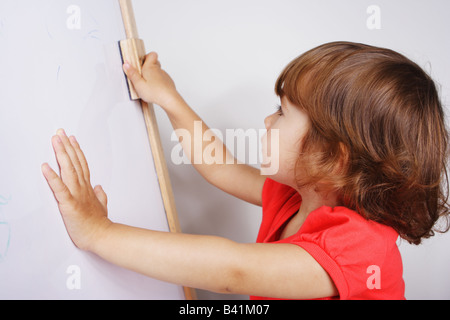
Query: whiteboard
[60, 67]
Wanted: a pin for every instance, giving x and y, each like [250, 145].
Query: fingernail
[61, 132]
[126, 65]
[57, 139]
[46, 167]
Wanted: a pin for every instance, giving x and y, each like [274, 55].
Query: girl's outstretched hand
[83, 208]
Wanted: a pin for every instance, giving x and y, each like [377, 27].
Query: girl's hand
[83, 208]
[155, 85]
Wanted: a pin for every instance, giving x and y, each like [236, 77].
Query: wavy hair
[377, 135]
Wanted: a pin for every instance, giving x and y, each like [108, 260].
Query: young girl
[362, 160]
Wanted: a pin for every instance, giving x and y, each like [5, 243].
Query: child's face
[292, 124]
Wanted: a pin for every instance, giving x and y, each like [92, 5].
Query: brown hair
[377, 134]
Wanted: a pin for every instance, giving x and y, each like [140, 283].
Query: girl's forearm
[204, 262]
[195, 136]
[216, 163]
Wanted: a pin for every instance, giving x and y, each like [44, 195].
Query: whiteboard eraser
[133, 51]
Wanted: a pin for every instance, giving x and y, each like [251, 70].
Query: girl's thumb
[101, 195]
[132, 74]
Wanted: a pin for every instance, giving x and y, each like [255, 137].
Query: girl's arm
[216, 264]
[206, 262]
[156, 86]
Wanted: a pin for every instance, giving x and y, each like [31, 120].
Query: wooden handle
[129, 21]
[133, 50]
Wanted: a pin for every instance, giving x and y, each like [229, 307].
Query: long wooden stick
[134, 50]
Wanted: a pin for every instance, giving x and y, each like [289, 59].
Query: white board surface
[60, 67]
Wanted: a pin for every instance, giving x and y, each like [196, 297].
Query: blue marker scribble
[92, 35]
[48, 32]
[5, 239]
[5, 230]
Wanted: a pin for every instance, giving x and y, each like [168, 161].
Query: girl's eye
[279, 110]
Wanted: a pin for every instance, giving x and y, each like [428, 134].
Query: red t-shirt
[361, 256]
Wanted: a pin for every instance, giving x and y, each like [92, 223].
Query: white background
[225, 57]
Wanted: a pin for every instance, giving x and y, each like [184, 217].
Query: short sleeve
[279, 202]
[349, 247]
